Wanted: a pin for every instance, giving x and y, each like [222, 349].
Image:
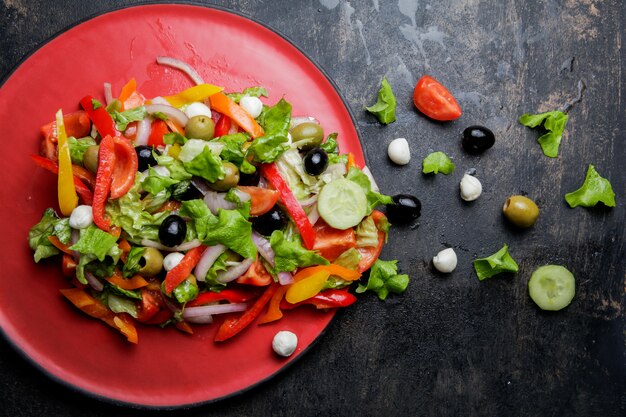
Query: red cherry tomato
[434, 100]
[332, 242]
[261, 199]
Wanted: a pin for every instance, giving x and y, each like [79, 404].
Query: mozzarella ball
[171, 260]
[399, 152]
[471, 188]
[197, 109]
[252, 105]
[284, 343]
[445, 261]
[81, 217]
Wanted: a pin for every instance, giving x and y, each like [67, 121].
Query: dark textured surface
[451, 345]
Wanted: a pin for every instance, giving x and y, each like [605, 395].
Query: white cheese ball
[471, 188]
[197, 109]
[252, 105]
[399, 152]
[171, 260]
[445, 261]
[284, 343]
[81, 217]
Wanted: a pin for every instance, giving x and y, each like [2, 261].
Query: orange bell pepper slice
[273, 309]
[222, 103]
[127, 90]
[56, 242]
[137, 281]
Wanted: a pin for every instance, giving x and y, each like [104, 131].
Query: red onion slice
[285, 278]
[235, 272]
[180, 248]
[207, 259]
[108, 95]
[180, 65]
[170, 111]
[143, 131]
[216, 201]
[373, 184]
[264, 247]
[202, 311]
[93, 281]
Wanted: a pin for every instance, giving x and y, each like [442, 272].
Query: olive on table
[172, 231]
[250, 179]
[405, 209]
[151, 262]
[477, 139]
[265, 224]
[145, 157]
[231, 178]
[521, 211]
[90, 158]
[200, 127]
[315, 161]
[307, 135]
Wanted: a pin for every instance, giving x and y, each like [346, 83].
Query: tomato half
[331, 242]
[369, 254]
[261, 199]
[149, 305]
[256, 275]
[434, 100]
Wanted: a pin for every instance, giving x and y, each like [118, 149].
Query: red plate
[166, 368]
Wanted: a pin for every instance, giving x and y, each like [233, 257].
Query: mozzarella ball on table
[399, 152]
[471, 188]
[445, 261]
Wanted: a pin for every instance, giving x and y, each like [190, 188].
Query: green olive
[90, 158]
[521, 211]
[151, 262]
[200, 127]
[307, 135]
[231, 178]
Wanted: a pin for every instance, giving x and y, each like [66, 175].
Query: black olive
[266, 223]
[315, 161]
[172, 231]
[145, 157]
[185, 190]
[477, 139]
[250, 179]
[405, 209]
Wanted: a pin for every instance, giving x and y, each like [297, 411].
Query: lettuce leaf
[174, 137]
[155, 183]
[374, 199]
[385, 107]
[39, 233]
[367, 233]
[437, 162]
[119, 304]
[499, 262]
[290, 255]
[122, 119]
[174, 166]
[78, 148]
[275, 122]
[250, 91]
[594, 190]
[330, 144]
[206, 165]
[234, 153]
[554, 122]
[384, 278]
[132, 266]
[96, 242]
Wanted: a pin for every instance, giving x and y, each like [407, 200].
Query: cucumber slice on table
[552, 287]
[342, 204]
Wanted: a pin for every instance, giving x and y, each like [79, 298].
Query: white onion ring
[216, 201]
[285, 278]
[298, 120]
[207, 259]
[308, 201]
[313, 215]
[180, 65]
[108, 95]
[159, 100]
[264, 247]
[93, 281]
[143, 131]
[234, 272]
[201, 185]
[203, 311]
[170, 111]
[373, 184]
[180, 248]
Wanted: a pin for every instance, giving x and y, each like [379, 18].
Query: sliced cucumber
[342, 204]
[552, 287]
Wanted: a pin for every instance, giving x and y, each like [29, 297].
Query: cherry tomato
[261, 199]
[149, 305]
[434, 100]
[256, 275]
[331, 242]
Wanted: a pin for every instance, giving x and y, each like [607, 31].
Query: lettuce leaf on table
[554, 122]
[594, 190]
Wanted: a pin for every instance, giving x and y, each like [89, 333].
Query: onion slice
[285, 278]
[307, 202]
[93, 281]
[235, 272]
[180, 65]
[143, 131]
[313, 215]
[209, 256]
[108, 94]
[191, 313]
[170, 111]
[216, 201]
[373, 184]
[180, 248]
[264, 247]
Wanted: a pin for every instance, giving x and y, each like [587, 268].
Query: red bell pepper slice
[233, 325]
[326, 299]
[181, 271]
[83, 191]
[157, 130]
[222, 126]
[271, 173]
[230, 295]
[125, 169]
[100, 117]
[68, 265]
[104, 177]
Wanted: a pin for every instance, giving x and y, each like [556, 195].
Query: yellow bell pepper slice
[307, 287]
[197, 93]
[333, 269]
[68, 199]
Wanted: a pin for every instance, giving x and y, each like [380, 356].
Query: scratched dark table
[451, 345]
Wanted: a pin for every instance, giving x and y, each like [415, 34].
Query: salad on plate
[176, 210]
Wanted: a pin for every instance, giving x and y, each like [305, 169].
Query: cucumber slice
[342, 204]
[552, 287]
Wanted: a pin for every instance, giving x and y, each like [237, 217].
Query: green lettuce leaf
[155, 183]
[385, 107]
[186, 291]
[594, 190]
[39, 233]
[210, 280]
[437, 162]
[384, 278]
[119, 304]
[554, 122]
[132, 266]
[330, 144]
[367, 233]
[250, 91]
[290, 255]
[374, 199]
[122, 119]
[499, 262]
[94, 241]
[174, 137]
[234, 153]
[78, 148]
[114, 289]
[174, 166]
[206, 165]
[275, 122]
